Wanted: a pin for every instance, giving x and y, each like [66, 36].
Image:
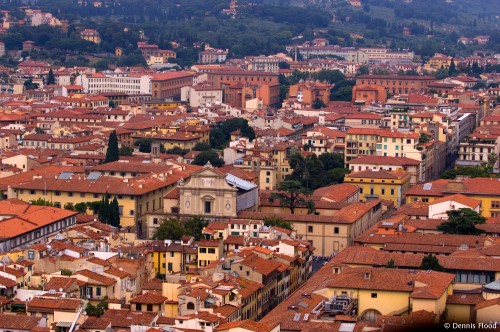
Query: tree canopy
[112, 153]
[208, 156]
[220, 136]
[430, 262]
[315, 172]
[462, 221]
[292, 194]
[174, 229]
[277, 221]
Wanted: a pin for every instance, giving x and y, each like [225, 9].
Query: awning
[64, 324]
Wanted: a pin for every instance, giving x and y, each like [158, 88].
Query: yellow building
[486, 190]
[380, 291]
[381, 184]
[269, 162]
[181, 139]
[149, 302]
[91, 35]
[55, 309]
[330, 234]
[209, 251]
[173, 257]
[362, 142]
[136, 197]
[438, 61]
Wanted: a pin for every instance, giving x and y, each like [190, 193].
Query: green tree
[81, 207]
[144, 145]
[202, 146]
[126, 150]
[169, 229]
[208, 156]
[104, 210]
[66, 272]
[363, 70]
[51, 80]
[430, 262]
[194, 226]
[293, 195]
[42, 202]
[452, 69]
[342, 91]
[69, 206]
[112, 153]
[99, 309]
[318, 104]
[278, 221]
[391, 264]
[462, 221]
[114, 213]
[331, 160]
[177, 150]
[29, 85]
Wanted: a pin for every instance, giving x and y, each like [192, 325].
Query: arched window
[370, 315]
[190, 306]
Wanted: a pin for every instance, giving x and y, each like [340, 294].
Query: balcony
[371, 196]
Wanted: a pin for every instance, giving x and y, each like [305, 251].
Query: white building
[264, 63]
[126, 83]
[439, 207]
[201, 95]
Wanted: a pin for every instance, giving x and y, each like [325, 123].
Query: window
[70, 194]
[138, 307]
[82, 195]
[208, 207]
[190, 306]
[155, 221]
[32, 192]
[169, 266]
[382, 191]
[211, 250]
[310, 229]
[171, 254]
[360, 190]
[392, 191]
[98, 291]
[203, 250]
[132, 212]
[374, 295]
[336, 230]
[57, 193]
[149, 307]
[495, 204]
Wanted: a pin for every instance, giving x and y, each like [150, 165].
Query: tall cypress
[115, 212]
[104, 210]
[112, 154]
[51, 80]
[452, 69]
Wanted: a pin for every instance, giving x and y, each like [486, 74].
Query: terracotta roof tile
[149, 298]
[18, 322]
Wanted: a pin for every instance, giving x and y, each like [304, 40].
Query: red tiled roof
[18, 322]
[459, 198]
[149, 298]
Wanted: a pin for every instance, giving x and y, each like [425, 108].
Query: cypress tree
[104, 210]
[51, 80]
[113, 153]
[452, 69]
[115, 212]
